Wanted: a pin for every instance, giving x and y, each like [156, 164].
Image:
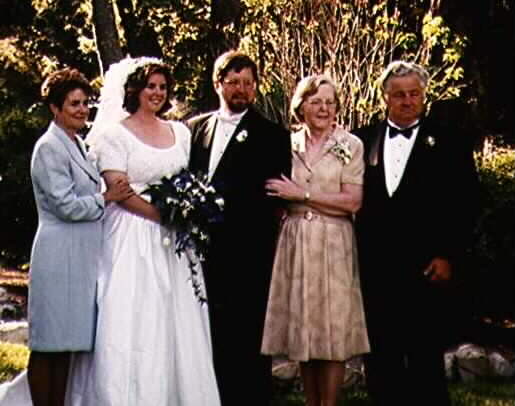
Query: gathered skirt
[153, 341]
[315, 307]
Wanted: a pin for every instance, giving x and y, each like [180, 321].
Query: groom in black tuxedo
[413, 230]
[240, 149]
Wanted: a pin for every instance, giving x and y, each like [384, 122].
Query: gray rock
[16, 332]
[469, 362]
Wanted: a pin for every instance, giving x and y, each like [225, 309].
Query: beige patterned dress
[315, 308]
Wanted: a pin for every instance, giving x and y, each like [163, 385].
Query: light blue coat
[66, 248]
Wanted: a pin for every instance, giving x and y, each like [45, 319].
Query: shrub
[19, 130]
[351, 41]
[494, 242]
[13, 359]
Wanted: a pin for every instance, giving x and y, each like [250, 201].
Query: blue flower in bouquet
[190, 204]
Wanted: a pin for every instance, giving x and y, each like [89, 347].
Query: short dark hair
[138, 80]
[233, 60]
[58, 84]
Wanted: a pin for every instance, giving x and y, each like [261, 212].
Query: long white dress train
[153, 342]
[16, 392]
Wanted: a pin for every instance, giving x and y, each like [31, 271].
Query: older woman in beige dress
[315, 312]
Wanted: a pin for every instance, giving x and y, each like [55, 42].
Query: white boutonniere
[242, 136]
[341, 149]
[430, 141]
[298, 142]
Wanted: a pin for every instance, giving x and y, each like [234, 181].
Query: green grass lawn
[480, 393]
[14, 358]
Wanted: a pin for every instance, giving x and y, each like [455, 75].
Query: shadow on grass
[486, 392]
[491, 392]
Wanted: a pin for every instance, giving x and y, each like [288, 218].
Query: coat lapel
[417, 160]
[201, 146]
[209, 133]
[235, 144]
[375, 157]
[298, 146]
[327, 147]
[243, 125]
[75, 153]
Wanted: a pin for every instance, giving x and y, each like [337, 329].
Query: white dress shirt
[396, 153]
[225, 126]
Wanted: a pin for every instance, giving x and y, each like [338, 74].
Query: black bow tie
[394, 131]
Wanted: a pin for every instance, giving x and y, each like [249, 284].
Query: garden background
[467, 46]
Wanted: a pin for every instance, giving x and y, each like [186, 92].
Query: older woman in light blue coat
[65, 253]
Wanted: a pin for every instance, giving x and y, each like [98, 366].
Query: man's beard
[239, 106]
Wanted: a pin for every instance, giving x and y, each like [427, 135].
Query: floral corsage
[341, 149]
[242, 136]
[430, 141]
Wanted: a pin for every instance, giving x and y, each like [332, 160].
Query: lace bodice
[119, 149]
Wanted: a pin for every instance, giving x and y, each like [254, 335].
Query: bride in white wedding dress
[152, 344]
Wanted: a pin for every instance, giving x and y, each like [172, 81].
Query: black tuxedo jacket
[410, 319]
[430, 214]
[240, 258]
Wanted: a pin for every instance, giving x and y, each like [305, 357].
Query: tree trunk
[142, 39]
[488, 61]
[224, 13]
[106, 34]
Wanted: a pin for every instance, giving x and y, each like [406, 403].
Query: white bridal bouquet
[190, 204]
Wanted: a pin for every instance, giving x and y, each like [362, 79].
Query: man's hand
[439, 270]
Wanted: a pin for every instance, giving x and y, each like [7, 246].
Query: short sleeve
[112, 150]
[353, 172]
[183, 136]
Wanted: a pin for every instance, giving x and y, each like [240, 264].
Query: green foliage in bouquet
[189, 205]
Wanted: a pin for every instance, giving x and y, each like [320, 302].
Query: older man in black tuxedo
[415, 222]
[240, 150]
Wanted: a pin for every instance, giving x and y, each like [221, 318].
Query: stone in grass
[15, 332]
[285, 369]
[468, 362]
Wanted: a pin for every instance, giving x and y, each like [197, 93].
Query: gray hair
[398, 69]
[308, 86]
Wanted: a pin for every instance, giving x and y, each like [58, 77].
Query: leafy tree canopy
[351, 40]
